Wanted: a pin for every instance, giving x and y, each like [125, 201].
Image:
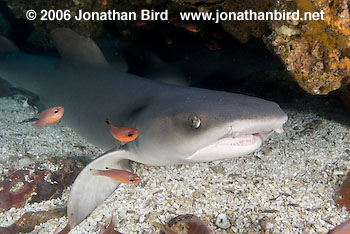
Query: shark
[177, 124]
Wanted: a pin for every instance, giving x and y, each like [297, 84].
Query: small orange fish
[140, 23]
[168, 41]
[189, 27]
[173, 17]
[119, 175]
[104, 2]
[49, 116]
[216, 35]
[123, 135]
[213, 45]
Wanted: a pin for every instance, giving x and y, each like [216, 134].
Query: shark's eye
[195, 122]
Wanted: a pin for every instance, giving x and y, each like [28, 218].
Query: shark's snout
[242, 137]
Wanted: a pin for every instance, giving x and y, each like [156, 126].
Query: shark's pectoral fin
[77, 50]
[89, 190]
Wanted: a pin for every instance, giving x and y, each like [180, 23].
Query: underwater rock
[38, 41]
[15, 190]
[185, 224]
[5, 26]
[91, 28]
[200, 1]
[35, 185]
[222, 221]
[242, 30]
[27, 222]
[316, 52]
[344, 95]
[342, 228]
[342, 197]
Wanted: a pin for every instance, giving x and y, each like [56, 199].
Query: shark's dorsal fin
[7, 46]
[76, 49]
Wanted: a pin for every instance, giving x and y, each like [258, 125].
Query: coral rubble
[243, 30]
[27, 222]
[342, 198]
[35, 185]
[185, 224]
[316, 52]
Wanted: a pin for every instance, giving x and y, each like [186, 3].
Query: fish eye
[132, 180]
[56, 111]
[195, 122]
[130, 134]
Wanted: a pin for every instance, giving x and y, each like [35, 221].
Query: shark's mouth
[231, 146]
[244, 140]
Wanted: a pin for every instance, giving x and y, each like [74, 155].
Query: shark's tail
[7, 46]
[90, 191]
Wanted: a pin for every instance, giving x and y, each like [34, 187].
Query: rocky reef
[27, 222]
[316, 52]
[33, 184]
[185, 224]
[89, 28]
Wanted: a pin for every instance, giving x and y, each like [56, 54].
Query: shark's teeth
[237, 141]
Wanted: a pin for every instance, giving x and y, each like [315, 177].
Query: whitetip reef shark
[177, 124]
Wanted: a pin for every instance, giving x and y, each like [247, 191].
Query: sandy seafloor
[287, 186]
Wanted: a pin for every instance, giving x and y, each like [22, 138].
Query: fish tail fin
[38, 125]
[7, 47]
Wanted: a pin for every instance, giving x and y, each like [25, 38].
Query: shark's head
[203, 125]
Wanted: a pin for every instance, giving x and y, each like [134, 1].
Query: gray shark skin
[177, 124]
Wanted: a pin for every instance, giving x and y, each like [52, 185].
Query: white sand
[287, 186]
